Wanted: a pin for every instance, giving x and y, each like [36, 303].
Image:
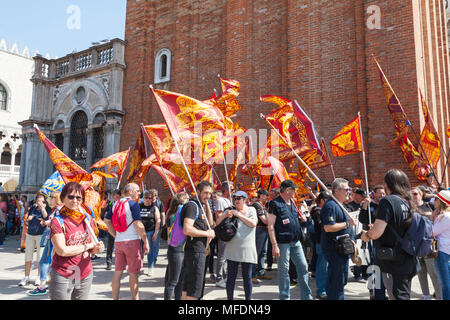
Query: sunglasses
[415, 194]
[71, 197]
[238, 198]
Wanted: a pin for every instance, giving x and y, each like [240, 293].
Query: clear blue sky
[58, 27]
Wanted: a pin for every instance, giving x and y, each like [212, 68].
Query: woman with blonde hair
[441, 232]
[55, 203]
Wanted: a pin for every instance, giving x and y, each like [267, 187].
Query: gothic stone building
[77, 104]
[318, 52]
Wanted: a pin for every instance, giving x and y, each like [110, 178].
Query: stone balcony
[93, 59]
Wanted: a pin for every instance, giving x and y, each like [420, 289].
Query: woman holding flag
[74, 243]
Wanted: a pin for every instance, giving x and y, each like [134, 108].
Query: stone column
[66, 136]
[90, 148]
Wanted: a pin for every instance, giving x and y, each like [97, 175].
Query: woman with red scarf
[74, 243]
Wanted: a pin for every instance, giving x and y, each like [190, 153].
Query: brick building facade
[318, 52]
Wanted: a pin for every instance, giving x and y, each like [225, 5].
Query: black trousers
[401, 288]
[109, 248]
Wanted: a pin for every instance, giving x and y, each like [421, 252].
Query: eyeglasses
[415, 194]
[71, 197]
[238, 198]
[346, 189]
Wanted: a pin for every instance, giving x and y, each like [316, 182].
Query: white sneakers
[24, 281]
[221, 284]
[150, 272]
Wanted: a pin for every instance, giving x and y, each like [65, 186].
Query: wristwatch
[347, 225]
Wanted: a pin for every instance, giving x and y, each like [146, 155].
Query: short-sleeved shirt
[222, 203]
[148, 217]
[75, 234]
[190, 211]
[441, 231]
[260, 211]
[34, 226]
[133, 212]
[394, 211]
[242, 248]
[331, 214]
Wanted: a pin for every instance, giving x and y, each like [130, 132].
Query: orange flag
[67, 168]
[347, 140]
[447, 132]
[294, 125]
[138, 156]
[415, 161]
[118, 160]
[227, 101]
[429, 139]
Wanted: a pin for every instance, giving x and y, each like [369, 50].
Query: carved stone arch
[72, 112]
[59, 123]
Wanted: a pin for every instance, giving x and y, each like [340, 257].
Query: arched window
[18, 155]
[6, 155]
[162, 65]
[3, 98]
[78, 136]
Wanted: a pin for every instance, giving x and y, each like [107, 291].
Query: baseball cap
[361, 192]
[263, 192]
[240, 193]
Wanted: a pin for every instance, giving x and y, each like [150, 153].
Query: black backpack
[227, 229]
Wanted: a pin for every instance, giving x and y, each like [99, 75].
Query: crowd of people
[314, 239]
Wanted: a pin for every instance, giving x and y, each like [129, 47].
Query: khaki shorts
[33, 242]
[128, 253]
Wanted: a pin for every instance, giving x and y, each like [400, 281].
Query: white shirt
[441, 231]
[131, 233]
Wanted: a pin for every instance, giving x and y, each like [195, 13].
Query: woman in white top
[441, 232]
[242, 248]
[426, 264]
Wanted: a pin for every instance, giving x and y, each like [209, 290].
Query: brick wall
[318, 52]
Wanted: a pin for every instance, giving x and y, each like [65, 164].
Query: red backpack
[119, 218]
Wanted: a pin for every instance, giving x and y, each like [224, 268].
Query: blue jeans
[442, 264]
[173, 279]
[261, 236]
[294, 251]
[337, 274]
[321, 271]
[46, 262]
[154, 248]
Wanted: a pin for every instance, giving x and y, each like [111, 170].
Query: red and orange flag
[294, 125]
[393, 104]
[431, 144]
[347, 140]
[227, 101]
[447, 132]
[118, 160]
[137, 158]
[67, 168]
[414, 159]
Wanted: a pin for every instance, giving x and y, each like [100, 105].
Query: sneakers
[322, 296]
[212, 278]
[256, 280]
[38, 292]
[221, 284]
[37, 282]
[426, 297]
[108, 266]
[264, 277]
[24, 282]
[150, 272]
[95, 258]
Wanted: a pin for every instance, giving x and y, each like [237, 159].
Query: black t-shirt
[352, 206]
[260, 211]
[192, 210]
[394, 211]
[148, 217]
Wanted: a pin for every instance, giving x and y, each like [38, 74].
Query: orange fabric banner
[415, 161]
[67, 168]
[429, 139]
[138, 156]
[118, 160]
[347, 140]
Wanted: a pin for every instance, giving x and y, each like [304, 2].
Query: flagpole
[226, 171]
[187, 171]
[367, 183]
[446, 164]
[146, 153]
[329, 159]
[308, 168]
[162, 168]
[121, 175]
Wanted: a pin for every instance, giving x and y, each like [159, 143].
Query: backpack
[119, 218]
[417, 240]
[176, 234]
[227, 229]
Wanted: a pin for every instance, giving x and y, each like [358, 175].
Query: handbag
[344, 245]
[434, 250]
[386, 254]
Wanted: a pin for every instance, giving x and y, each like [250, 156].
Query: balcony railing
[74, 63]
[9, 169]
